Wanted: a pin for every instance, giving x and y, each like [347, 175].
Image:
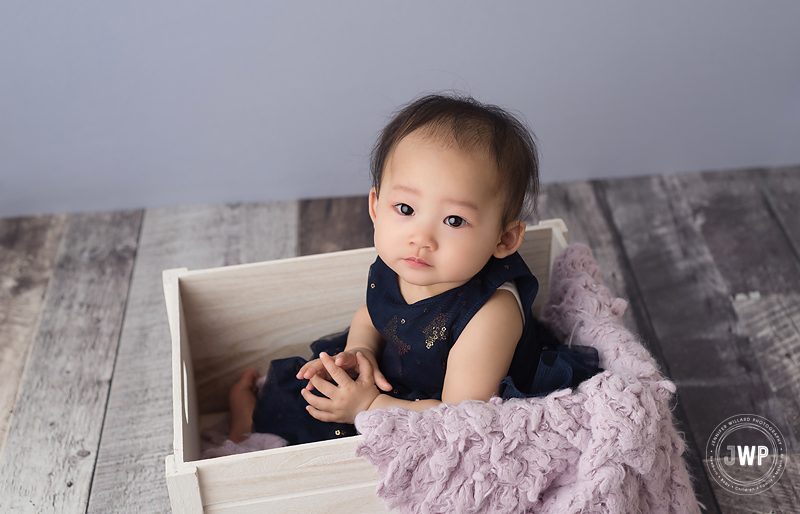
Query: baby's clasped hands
[347, 361]
[347, 397]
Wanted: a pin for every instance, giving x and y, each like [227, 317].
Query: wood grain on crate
[137, 434]
[337, 499]
[49, 456]
[28, 248]
[267, 474]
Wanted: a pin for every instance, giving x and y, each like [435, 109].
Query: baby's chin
[431, 287]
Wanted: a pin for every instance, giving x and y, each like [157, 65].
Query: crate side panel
[351, 500]
[295, 470]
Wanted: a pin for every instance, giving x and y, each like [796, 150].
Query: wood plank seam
[116, 355]
[772, 210]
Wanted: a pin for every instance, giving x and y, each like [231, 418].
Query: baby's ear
[510, 240]
[373, 203]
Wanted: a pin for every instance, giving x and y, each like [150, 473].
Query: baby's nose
[423, 237]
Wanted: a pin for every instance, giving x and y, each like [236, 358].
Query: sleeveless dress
[419, 337]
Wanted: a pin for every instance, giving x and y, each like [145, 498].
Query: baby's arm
[479, 360]
[362, 337]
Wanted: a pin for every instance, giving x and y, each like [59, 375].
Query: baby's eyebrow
[450, 201]
[405, 189]
[462, 203]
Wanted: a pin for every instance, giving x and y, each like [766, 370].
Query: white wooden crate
[225, 320]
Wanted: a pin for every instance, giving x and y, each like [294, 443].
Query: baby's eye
[404, 209]
[454, 221]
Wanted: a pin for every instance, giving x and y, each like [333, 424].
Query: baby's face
[437, 219]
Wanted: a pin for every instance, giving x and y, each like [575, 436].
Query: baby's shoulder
[502, 307]
[499, 320]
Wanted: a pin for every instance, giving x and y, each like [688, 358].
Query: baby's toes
[248, 380]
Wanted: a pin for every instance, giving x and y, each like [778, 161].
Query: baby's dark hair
[472, 125]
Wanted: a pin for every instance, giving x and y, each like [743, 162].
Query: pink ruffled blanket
[608, 446]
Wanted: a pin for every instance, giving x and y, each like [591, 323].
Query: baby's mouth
[417, 262]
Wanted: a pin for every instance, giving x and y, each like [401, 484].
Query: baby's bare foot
[242, 402]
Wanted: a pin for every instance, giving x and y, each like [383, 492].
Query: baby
[447, 316]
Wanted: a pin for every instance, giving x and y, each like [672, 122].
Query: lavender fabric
[609, 446]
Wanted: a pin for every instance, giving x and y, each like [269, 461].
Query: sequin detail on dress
[390, 334]
[436, 330]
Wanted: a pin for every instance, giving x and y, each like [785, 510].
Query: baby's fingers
[317, 403]
[346, 360]
[381, 381]
[320, 414]
[365, 366]
[312, 368]
[308, 365]
[337, 374]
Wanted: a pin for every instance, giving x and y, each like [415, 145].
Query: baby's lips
[417, 262]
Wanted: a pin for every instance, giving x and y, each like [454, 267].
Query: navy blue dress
[418, 340]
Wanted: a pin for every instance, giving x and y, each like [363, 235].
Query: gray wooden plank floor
[49, 457]
[29, 247]
[709, 263]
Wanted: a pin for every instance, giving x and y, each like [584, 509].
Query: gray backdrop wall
[111, 105]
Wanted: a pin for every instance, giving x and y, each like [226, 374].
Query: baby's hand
[344, 399]
[348, 361]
